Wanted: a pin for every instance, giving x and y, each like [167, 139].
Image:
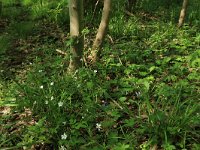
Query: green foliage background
[143, 93]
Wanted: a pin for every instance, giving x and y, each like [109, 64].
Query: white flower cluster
[64, 136]
[98, 126]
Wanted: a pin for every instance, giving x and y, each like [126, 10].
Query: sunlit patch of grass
[7, 97]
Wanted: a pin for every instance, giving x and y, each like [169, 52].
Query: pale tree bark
[95, 52]
[77, 41]
[183, 13]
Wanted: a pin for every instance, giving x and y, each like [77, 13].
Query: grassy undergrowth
[142, 94]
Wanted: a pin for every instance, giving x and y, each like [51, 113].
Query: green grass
[143, 93]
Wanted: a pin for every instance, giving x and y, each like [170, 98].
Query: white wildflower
[46, 102]
[95, 71]
[52, 83]
[40, 71]
[64, 136]
[175, 40]
[60, 104]
[98, 126]
[62, 148]
[138, 94]
[52, 98]
[41, 87]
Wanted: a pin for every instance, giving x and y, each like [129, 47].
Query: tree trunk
[0, 7]
[101, 31]
[183, 13]
[76, 26]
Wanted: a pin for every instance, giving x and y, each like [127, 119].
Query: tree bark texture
[183, 13]
[76, 27]
[101, 31]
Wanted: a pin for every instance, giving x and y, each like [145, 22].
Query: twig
[61, 52]
[95, 10]
[110, 38]
[117, 104]
[129, 13]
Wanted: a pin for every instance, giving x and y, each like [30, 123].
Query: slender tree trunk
[1, 7]
[101, 31]
[183, 13]
[76, 26]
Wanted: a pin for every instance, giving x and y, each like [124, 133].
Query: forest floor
[143, 93]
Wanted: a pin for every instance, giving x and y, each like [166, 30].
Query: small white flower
[40, 71]
[98, 126]
[52, 83]
[52, 98]
[64, 136]
[62, 148]
[46, 102]
[60, 104]
[30, 63]
[41, 87]
[138, 94]
[95, 71]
